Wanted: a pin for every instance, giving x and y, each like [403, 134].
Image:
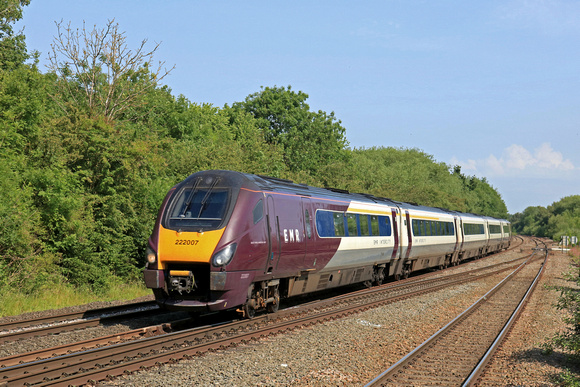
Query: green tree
[99, 73]
[207, 137]
[12, 45]
[310, 140]
[408, 175]
[559, 219]
[24, 105]
[533, 221]
[565, 218]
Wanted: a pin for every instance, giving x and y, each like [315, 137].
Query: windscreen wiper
[206, 197]
[190, 197]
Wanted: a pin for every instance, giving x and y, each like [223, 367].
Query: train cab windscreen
[198, 207]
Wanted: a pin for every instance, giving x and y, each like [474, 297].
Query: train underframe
[181, 291]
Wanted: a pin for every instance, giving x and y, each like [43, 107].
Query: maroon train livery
[229, 240]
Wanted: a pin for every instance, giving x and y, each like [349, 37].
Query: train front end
[187, 251]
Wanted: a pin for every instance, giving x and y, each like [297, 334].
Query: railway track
[63, 322]
[458, 353]
[99, 363]
[29, 328]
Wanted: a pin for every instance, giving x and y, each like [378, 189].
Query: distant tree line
[562, 218]
[89, 149]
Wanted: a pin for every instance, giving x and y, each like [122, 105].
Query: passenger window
[364, 225]
[338, 224]
[384, 226]
[325, 223]
[415, 227]
[351, 223]
[258, 211]
[374, 225]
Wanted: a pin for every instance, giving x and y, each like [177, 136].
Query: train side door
[401, 246]
[308, 234]
[409, 234]
[273, 223]
[460, 235]
[487, 235]
[457, 248]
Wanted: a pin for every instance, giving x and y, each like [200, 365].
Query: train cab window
[258, 211]
[351, 224]
[198, 208]
[364, 225]
[308, 227]
[374, 225]
[338, 219]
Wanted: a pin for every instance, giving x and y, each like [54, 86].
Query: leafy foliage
[411, 175]
[309, 140]
[12, 46]
[569, 338]
[559, 219]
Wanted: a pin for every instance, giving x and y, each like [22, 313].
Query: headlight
[224, 256]
[151, 256]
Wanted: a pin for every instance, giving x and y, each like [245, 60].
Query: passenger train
[229, 240]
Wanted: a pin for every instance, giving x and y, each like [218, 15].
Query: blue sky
[493, 86]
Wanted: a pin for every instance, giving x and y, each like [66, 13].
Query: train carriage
[506, 233]
[495, 234]
[474, 236]
[227, 240]
[431, 237]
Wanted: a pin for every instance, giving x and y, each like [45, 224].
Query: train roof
[269, 183]
[275, 184]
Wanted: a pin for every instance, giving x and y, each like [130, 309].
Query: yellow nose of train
[186, 247]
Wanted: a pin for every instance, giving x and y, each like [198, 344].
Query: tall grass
[62, 295]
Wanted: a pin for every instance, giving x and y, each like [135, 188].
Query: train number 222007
[186, 242]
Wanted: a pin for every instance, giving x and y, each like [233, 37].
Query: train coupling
[181, 281]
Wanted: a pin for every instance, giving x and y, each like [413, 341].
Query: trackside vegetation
[89, 148]
[562, 218]
[568, 339]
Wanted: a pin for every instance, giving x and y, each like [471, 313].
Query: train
[227, 240]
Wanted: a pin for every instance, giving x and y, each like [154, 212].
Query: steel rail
[480, 367]
[23, 323]
[407, 359]
[99, 360]
[59, 326]
[207, 331]
[84, 345]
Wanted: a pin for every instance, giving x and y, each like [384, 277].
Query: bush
[569, 300]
